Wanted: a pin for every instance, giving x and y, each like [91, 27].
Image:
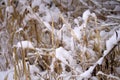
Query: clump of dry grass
[36, 32]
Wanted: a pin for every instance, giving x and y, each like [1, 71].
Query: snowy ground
[59, 40]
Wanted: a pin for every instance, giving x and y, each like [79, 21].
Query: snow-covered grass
[40, 39]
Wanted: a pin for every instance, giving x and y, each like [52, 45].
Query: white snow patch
[93, 15]
[77, 32]
[36, 3]
[52, 65]
[59, 34]
[86, 14]
[64, 56]
[100, 61]
[52, 14]
[103, 33]
[47, 1]
[117, 8]
[87, 74]
[76, 22]
[66, 76]
[94, 78]
[23, 1]
[64, 34]
[67, 41]
[42, 8]
[10, 74]
[72, 44]
[112, 41]
[33, 69]
[25, 44]
[9, 9]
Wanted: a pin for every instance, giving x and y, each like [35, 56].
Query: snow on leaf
[64, 56]
[86, 14]
[77, 32]
[100, 61]
[112, 42]
[87, 74]
[25, 44]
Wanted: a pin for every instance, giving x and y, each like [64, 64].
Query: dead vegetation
[28, 24]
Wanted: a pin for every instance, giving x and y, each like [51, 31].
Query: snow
[22, 1]
[4, 74]
[87, 74]
[66, 76]
[112, 42]
[19, 30]
[9, 9]
[100, 61]
[64, 56]
[94, 78]
[92, 53]
[25, 44]
[52, 64]
[103, 33]
[68, 36]
[117, 8]
[67, 41]
[72, 44]
[118, 37]
[52, 14]
[47, 1]
[79, 69]
[109, 45]
[93, 15]
[64, 35]
[86, 15]
[76, 22]
[48, 26]
[36, 3]
[42, 8]
[77, 32]
[34, 69]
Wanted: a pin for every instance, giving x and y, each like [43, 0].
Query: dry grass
[36, 32]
